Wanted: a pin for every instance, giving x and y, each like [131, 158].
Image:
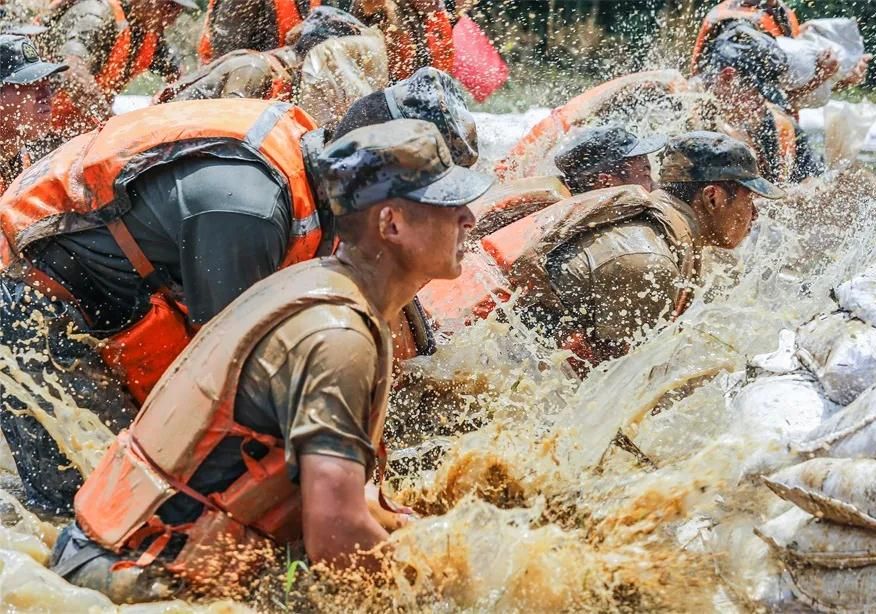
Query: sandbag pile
[826, 542]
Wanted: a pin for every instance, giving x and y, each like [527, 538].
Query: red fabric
[476, 63]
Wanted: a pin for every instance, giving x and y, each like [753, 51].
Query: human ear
[387, 223]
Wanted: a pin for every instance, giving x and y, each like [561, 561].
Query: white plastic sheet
[339, 71]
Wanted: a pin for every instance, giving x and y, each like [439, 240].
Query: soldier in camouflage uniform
[315, 379]
[616, 277]
[106, 43]
[25, 103]
[329, 61]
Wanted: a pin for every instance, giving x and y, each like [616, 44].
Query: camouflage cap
[433, 95]
[594, 150]
[403, 158]
[757, 58]
[323, 23]
[20, 64]
[704, 157]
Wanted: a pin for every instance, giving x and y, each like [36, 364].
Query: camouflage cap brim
[459, 186]
[762, 187]
[647, 145]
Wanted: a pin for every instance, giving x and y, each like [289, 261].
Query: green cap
[403, 158]
[706, 157]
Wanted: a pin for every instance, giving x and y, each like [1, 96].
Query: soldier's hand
[390, 521]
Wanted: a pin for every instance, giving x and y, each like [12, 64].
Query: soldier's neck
[386, 284]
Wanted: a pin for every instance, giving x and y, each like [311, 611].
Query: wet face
[633, 171]
[731, 212]
[430, 240]
[735, 94]
[26, 111]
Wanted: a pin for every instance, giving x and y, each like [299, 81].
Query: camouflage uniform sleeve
[87, 31]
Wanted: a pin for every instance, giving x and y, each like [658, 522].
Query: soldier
[106, 43]
[330, 61]
[25, 103]
[743, 72]
[774, 18]
[260, 25]
[302, 360]
[171, 213]
[418, 33]
[599, 268]
[606, 157]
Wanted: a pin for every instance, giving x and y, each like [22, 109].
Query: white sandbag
[784, 359]
[837, 489]
[838, 591]
[799, 538]
[841, 352]
[26, 586]
[846, 126]
[783, 407]
[850, 433]
[840, 36]
[858, 296]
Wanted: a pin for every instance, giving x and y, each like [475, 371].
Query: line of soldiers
[250, 277]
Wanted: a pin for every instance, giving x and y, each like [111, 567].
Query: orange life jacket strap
[144, 267]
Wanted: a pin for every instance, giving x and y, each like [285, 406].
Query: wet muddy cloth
[283, 392]
[184, 215]
[41, 336]
[618, 278]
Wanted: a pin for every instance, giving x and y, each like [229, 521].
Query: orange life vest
[523, 159]
[787, 135]
[83, 184]
[737, 10]
[144, 467]
[514, 256]
[287, 17]
[439, 39]
[123, 64]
